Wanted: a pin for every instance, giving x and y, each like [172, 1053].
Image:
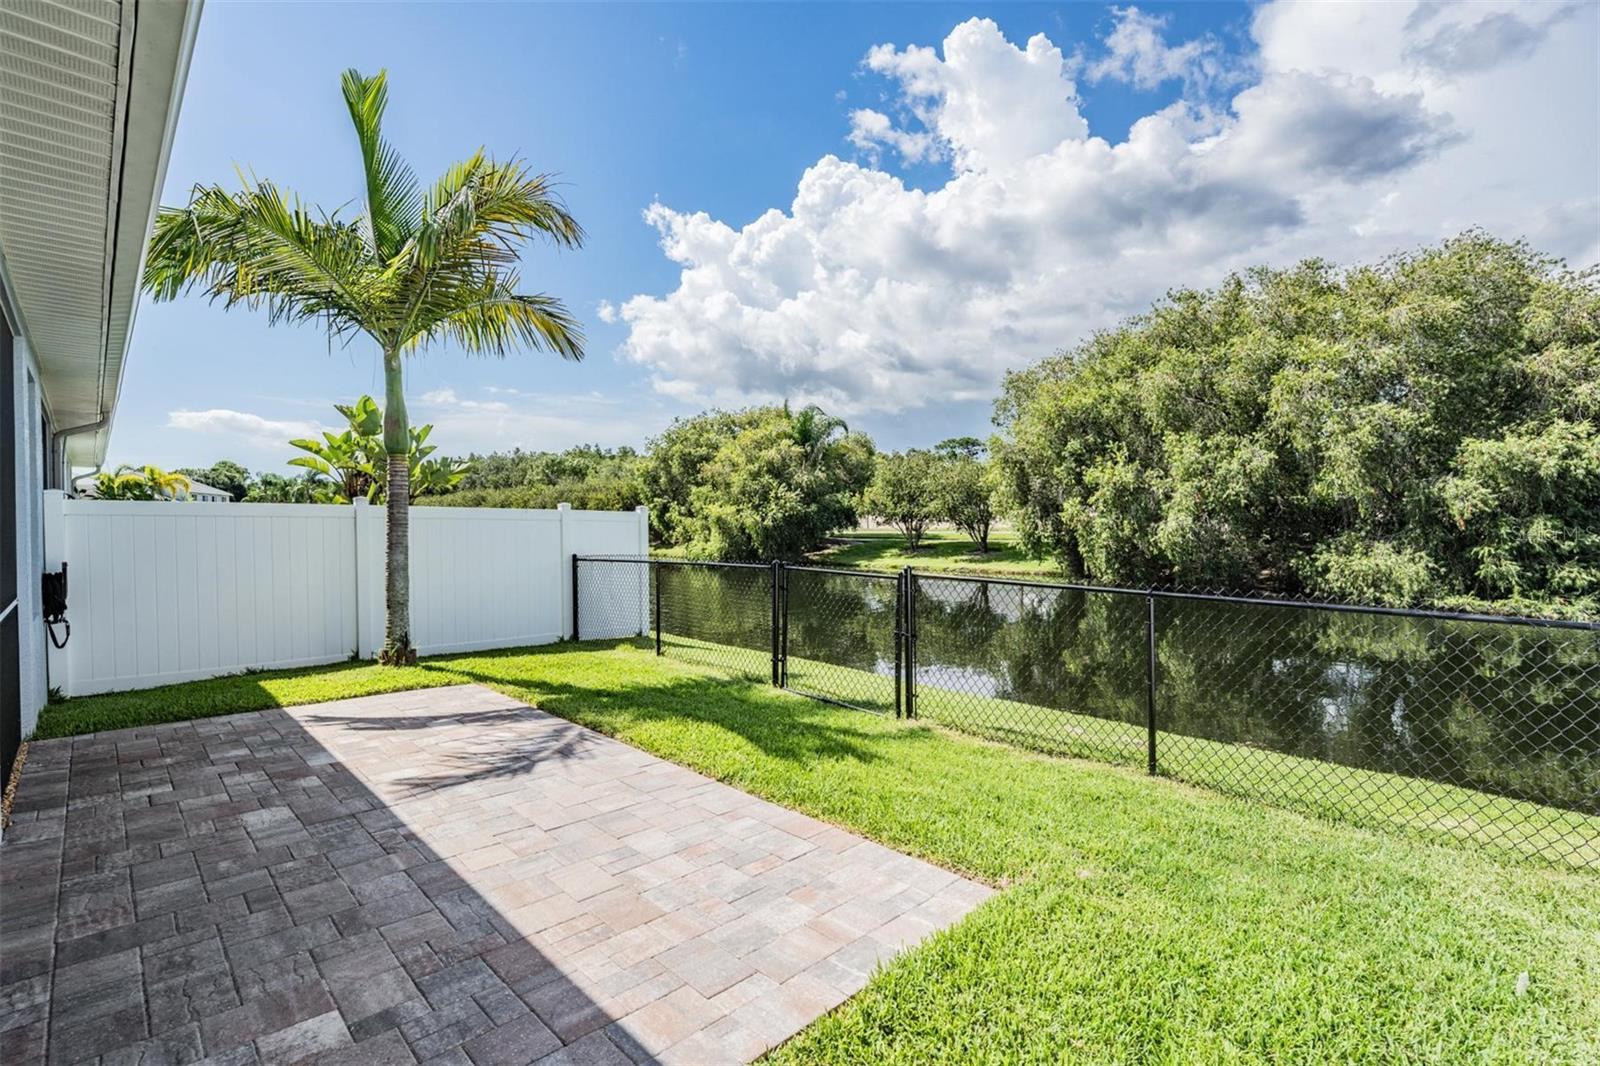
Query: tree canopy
[588, 477]
[761, 483]
[1420, 430]
[223, 474]
[905, 492]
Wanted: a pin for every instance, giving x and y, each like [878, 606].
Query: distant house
[200, 492]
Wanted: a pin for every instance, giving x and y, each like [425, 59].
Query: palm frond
[416, 267]
[502, 319]
[394, 203]
[497, 203]
[261, 247]
[465, 254]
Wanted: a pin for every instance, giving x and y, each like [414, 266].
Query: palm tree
[416, 267]
[148, 482]
[165, 484]
[814, 430]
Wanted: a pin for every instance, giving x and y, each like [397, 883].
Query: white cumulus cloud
[242, 424]
[988, 102]
[1138, 53]
[1360, 130]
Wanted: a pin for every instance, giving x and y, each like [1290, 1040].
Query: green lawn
[1361, 797]
[942, 550]
[1143, 920]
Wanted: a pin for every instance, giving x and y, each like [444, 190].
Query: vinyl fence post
[1150, 681]
[657, 575]
[911, 643]
[369, 525]
[574, 595]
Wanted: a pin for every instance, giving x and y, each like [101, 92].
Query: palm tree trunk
[397, 649]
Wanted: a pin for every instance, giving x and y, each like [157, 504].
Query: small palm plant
[351, 465]
[418, 266]
[129, 482]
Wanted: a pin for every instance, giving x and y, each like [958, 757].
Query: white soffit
[89, 93]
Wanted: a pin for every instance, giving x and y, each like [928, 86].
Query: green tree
[965, 494]
[224, 474]
[280, 488]
[757, 484]
[905, 492]
[676, 462]
[971, 447]
[1419, 430]
[813, 429]
[416, 267]
[588, 477]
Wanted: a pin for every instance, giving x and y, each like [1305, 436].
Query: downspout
[58, 440]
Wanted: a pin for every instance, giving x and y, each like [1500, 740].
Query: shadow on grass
[794, 729]
[611, 694]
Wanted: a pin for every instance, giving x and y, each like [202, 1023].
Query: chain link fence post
[1150, 682]
[655, 575]
[774, 621]
[574, 596]
[911, 642]
[899, 643]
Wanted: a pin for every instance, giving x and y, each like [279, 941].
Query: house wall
[161, 592]
[33, 465]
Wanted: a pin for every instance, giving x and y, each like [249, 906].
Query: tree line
[1421, 430]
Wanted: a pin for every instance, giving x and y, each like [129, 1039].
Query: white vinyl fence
[165, 592]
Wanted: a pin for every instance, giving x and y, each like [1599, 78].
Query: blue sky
[989, 200]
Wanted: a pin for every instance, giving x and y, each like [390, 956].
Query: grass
[941, 551]
[1361, 797]
[1142, 920]
[1358, 796]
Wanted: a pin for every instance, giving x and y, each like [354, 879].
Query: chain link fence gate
[839, 636]
[1477, 727]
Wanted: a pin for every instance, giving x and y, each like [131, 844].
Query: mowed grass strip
[1362, 797]
[941, 551]
[1143, 920]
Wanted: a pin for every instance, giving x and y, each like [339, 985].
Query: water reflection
[1503, 709]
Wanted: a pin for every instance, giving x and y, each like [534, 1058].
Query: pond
[1505, 709]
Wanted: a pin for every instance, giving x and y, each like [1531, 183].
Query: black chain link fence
[1480, 728]
[839, 636]
[716, 614]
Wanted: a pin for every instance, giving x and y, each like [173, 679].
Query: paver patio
[440, 876]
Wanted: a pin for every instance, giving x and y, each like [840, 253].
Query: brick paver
[441, 876]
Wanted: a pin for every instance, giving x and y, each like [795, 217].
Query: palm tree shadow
[494, 744]
[797, 730]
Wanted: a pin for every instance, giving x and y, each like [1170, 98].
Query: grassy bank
[1143, 920]
[1362, 797]
[942, 550]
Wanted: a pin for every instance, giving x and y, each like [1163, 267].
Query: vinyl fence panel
[166, 592]
[484, 577]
